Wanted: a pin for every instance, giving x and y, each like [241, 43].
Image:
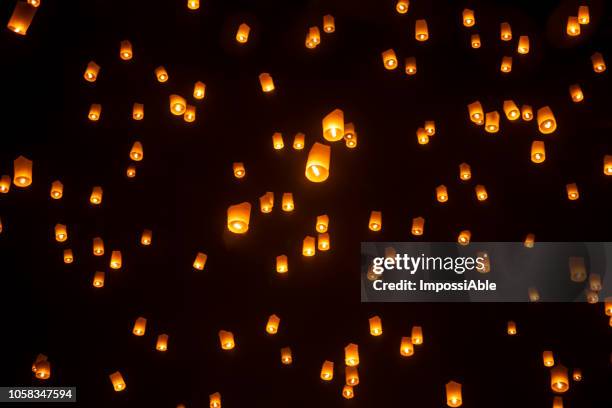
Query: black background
[185, 184]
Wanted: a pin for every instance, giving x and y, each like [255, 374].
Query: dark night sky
[185, 184]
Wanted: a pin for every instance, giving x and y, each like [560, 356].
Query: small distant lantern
[511, 110]
[375, 223]
[40, 357]
[193, 4]
[453, 394]
[98, 246]
[327, 370]
[226, 339]
[333, 125]
[96, 195]
[5, 184]
[323, 243]
[215, 400]
[61, 233]
[177, 105]
[406, 347]
[267, 84]
[548, 358]
[558, 379]
[505, 32]
[598, 62]
[298, 141]
[43, 369]
[546, 120]
[422, 136]
[277, 141]
[416, 335]
[162, 342]
[608, 306]
[492, 122]
[190, 114]
[347, 392]
[533, 294]
[506, 65]
[282, 266]
[389, 59]
[140, 326]
[22, 17]
[572, 191]
[136, 153]
[527, 113]
[465, 171]
[22, 172]
[523, 45]
[308, 246]
[351, 355]
[476, 112]
[468, 18]
[286, 357]
[98, 280]
[125, 50]
[147, 237]
[529, 241]
[583, 15]
[242, 35]
[57, 190]
[266, 202]
[199, 90]
[287, 202]
[430, 127]
[607, 165]
[511, 328]
[595, 282]
[68, 256]
[161, 74]
[200, 261]
[116, 260]
[375, 326]
[464, 237]
[441, 193]
[329, 25]
[578, 272]
[313, 37]
[351, 375]
[475, 41]
[573, 26]
[117, 381]
[421, 32]
[91, 72]
[322, 223]
[577, 374]
[95, 111]
[238, 217]
[418, 226]
[402, 6]
[576, 93]
[317, 165]
[410, 65]
[138, 111]
[538, 152]
[272, 325]
[351, 143]
[591, 296]
[239, 170]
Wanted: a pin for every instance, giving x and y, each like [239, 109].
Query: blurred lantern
[327, 370]
[96, 195]
[453, 394]
[595, 282]
[351, 355]
[430, 127]
[333, 125]
[546, 120]
[347, 392]
[40, 357]
[267, 84]
[200, 261]
[351, 375]
[138, 111]
[140, 326]
[573, 26]
[323, 242]
[298, 141]
[282, 266]
[190, 114]
[538, 152]
[492, 122]
[272, 325]
[199, 90]
[486, 262]
[317, 165]
[34, 3]
[322, 223]
[125, 50]
[351, 143]
[162, 342]
[238, 217]
[465, 171]
[476, 112]
[523, 45]
[239, 170]
[98, 280]
[389, 59]
[308, 246]
[406, 347]
[117, 380]
[583, 15]
[215, 400]
[598, 62]
[608, 306]
[22, 16]
[577, 374]
[416, 335]
[57, 190]
[577, 269]
[375, 223]
[558, 379]
[277, 141]
[177, 105]
[91, 72]
[576, 93]
[22, 172]
[242, 35]
[287, 202]
[592, 297]
[5, 183]
[286, 357]
[329, 25]
[43, 369]
[557, 402]
[193, 4]
[371, 275]
[61, 234]
[146, 237]
[511, 110]
[418, 226]
[422, 136]
[390, 253]
[266, 202]
[161, 74]
[410, 65]
[375, 326]
[505, 32]
[226, 339]
[529, 241]
[68, 256]
[402, 6]
[572, 191]
[475, 41]
[527, 113]
[534, 295]
[511, 328]
[116, 260]
[313, 37]
[420, 30]
[136, 153]
[98, 246]
[506, 65]
[468, 18]
[464, 237]
[548, 358]
[441, 193]
[95, 111]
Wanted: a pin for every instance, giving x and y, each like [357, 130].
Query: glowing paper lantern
[61, 233]
[476, 112]
[317, 165]
[527, 113]
[42, 368]
[286, 357]
[418, 226]
[308, 246]
[193, 4]
[453, 394]
[22, 172]
[548, 358]
[22, 17]
[492, 122]
[322, 223]
[136, 153]
[162, 342]
[272, 325]
[506, 65]
[475, 41]
[464, 237]
[116, 260]
[608, 306]
[327, 370]
[347, 392]
[572, 191]
[138, 111]
[389, 59]
[375, 326]
[598, 62]
[465, 171]
[441, 193]
[161, 74]
[577, 374]
[406, 347]
[529, 241]
[558, 379]
[277, 141]
[267, 84]
[416, 335]
[226, 339]
[607, 165]
[95, 111]
[511, 110]
[287, 202]
[125, 50]
[117, 381]
[351, 355]
[329, 25]
[298, 141]
[410, 65]
[591, 296]
[199, 90]
[523, 45]
[577, 268]
[422, 136]
[375, 223]
[583, 15]
[421, 32]
[98, 246]
[177, 105]
[505, 32]
[266, 202]
[238, 217]
[333, 125]
[40, 357]
[511, 328]
[351, 375]
[91, 72]
[98, 280]
[200, 261]
[576, 93]
[402, 6]
[57, 190]
[34, 3]
[538, 152]
[313, 37]
[595, 282]
[430, 127]
[468, 18]
[96, 195]
[68, 256]
[215, 400]
[282, 266]
[351, 143]
[147, 237]
[242, 35]
[140, 326]
[573, 26]
[5, 184]
[239, 170]
[323, 242]
[557, 402]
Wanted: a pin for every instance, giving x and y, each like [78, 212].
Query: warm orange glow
[95, 111]
[329, 24]
[527, 113]
[199, 90]
[22, 17]
[317, 165]
[298, 141]
[410, 65]
[5, 184]
[98, 280]
[475, 41]
[481, 192]
[557, 402]
[322, 223]
[22, 172]
[286, 357]
[313, 37]
[351, 375]
[190, 114]
[130, 172]
[272, 325]
[347, 392]
[529, 241]
[558, 379]
[91, 72]
[162, 342]
[598, 62]
[266, 82]
[453, 394]
[327, 370]
[140, 326]
[577, 374]
[523, 45]
[511, 110]
[57, 190]
[375, 223]
[161, 74]
[266, 202]
[468, 18]
[68, 255]
[117, 381]
[333, 125]
[418, 226]
[430, 127]
[422, 137]
[476, 113]
[323, 243]
[61, 233]
[465, 171]
[402, 6]
[548, 358]
[238, 217]
[572, 191]
[146, 237]
[375, 326]
[177, 105]
[351, 355]
[406, 347]
[96, 195]
[506, 65]
[538, 152]
[492, 122]
[239, 170]
[416, 335]
[287, 202]
[226, 339]
[464, 237]
[511, 328]
[389, 59]
[193, 4]
[200, 261]
[98, 246]
[308, 246]
[441, 194]
[214, 400]
[125, 50]
[116, 260]
[277, 141]
[576, 93]
[573, 26]
[607, 165]
[421, 33]
[138, 111]
[242, 35]
[505, 32]
[136, 153]
[282, 265]
[583, 15]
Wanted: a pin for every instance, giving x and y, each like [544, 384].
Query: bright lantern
[538, 152]
[22, 172]
[266, 82]
[421, 33]
[389, 59]
[468, 18]
[317, 165]
[375, 223]
[238, 217]
[418, 226]
[453, 394]
[117, 381]
[375, 326]
[272, 325]
[226, 339]
[140, 326]
[277, 141]
[333, 126]
[125, 50]
[287, 202]
[242, 35]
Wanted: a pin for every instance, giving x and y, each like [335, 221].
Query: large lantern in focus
[308, 246]
[287, 202]
[117, 381]
[200, 261]
[125, 50]
[505, 31]
[538, 153]
[492, 122]
[91, 72]
[351, 355]
[572, 191]
[453, 394]
[317, 165]
[523, 45]
[140, 326]
[511, 110]
[598, 62]
[421, 33]
[375, 223]
[266, 82]
[238, 217]
[22, 172]
[406, 347]
[468, 18]
[548, 358]
[282, 265]
[136, 153]
[375, 326]
[333, 125]
[96, 195]
[416, 335]
[558, 379]
[116, 260]
[573, 26]
[242, 35]
[22, 17]
[327, 370]
[57, 190]
[226, 339]
[161, 74]
[162, 342]
[389, 59]
[177, 105]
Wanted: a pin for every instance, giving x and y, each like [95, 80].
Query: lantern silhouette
[468, 18]
[538, 152]
[5, 184]
[238, 217]
[523, 45]
[215, 400]
[422, 136]
[308, 246]
[416, 335]
[91, 72]
[492, 122]
[323, 243]
[548, 358]
[98, 246]
[286, 357]
[95, 111]
[475, 41]
[347, 392]
[177, 105]
[375, 326]
[313, 37]
[140, 326]
[557, 402]
[511, 328]
[506, 65]
[402, 6]
[242, 35]
[576, 93]
[22, 17]
[607, 165]
[298, 141]
[125, 50]
[583, 15]
[162, 342]
[239, 170]
[577, 375]
[351, 375]
[57, 190]
[193, 4]
[317, 165]
[375, 223]
[529, 241]
[138, 111]
[117, 381]
[322, 223]
[430, 127]
[389, 59]
[453, 394]
[329, 25]
[116, 260]
[22, 172]
[333, 125]
[287, 202]
[441, 193]
[406, 347]
[277, 141]
[573, 26]
[266, 202]
[327, 370]
[96, 195]
[161, 74]
[418, 226]
[146, 237]
[272, 325]
[98, 280]
[410, 65]
[267, 84]
[199, 90]
[68, 256]
[136, 153]
[61, 234]
[190, 114]
[476, 112]
[282, 266]
[43, 369]
[200, 261]
[558, 379]
[511, 110]
[505, 32]
[572, 191]
[351, 355]
[464, 237]
[465, 171]
[598, 62]
[226, 339]
[420, 30]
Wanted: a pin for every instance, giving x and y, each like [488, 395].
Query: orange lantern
[136, 153]
[441, 193]
[95, 111]
[492, 122]
[327, 370]
[375, 326]
[43, 369]
[475, 41]
[406, 347]
[506, 65]
[389, 59]
[91, 72]
[238, 217]
[5, 184]
[313, 37]
[572, 191]
[329, 25]
[125, 50]
[22, 172]
[476, 112]
[239, 170]
[607, 165]
[557, 402]
[573, 26]
[193, 4]
[98, 246]
[287, 202]
[227, 340]
[453, 394]
[200, 261]
[505, 31]
[598, 62]
[61, 233]
[286, 357]
[138, 111]
[162, 342]
[402, 6]
[333, 125]
[511, 328]
[116, 260]
[422, 136]
[548, 358]
[57, 190]
[322, 223]
[416, 335]
[98, 280]
[523, 45]
[349, 131]
[117, 381]
[242, 35]
[199, 90]
[282, 266]
[277, 141]
[266, 202]
[308, 246]
[317, 165]
[468, 18]
[68, 256]
[511, 110]
[418, 226]
[576, 93]
[375, 223]
[298, 141]
[595, 282]
[272, 325]
[177, 105]
[527, 113]
[267, 84]
[577, 374]
[351, 375]
[161, 74]
[538, 153]
[464, 237]
[215, 400]
[323, 242]
[351, 143]
[420, 30]
[40, 357]
[140, 326]
[347, 392]
[577, 268]
[430, 127]
[558, 379]
[410, 65]
[146, 237]
[96, 195]
[465, 171]
[351, 355]
[583, 15]
[22, 17]
[529, 241]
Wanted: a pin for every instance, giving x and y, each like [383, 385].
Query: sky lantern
[608, 306]
[410, 65]
[327, 370]
[595, 282]
[476, 113]
[430, 127]
[492, 122]
[558, 379]
[308, 246]
[193, 4]
[267, 84]
[347, 392]
[468, 18]
[548, 358]
[277, 141]
[5, 184]
[421, 32]
[577, 268]
[91, 71]
[422, 136]
[453, 394]
[98, 280]
[239, 170]
[475, 41]
[527, 113]
[98, 246]
[313, 37]
[199, 90]
[375, 223]
[215, 400]
[351, 143]
[572, 191]
[117, 381]
[298, 141]
[22, 17]
[34, 3]
[161, 74]
[42, 369]
[116, 260]
[282, 266]
[333, 125]
[57, 190]
[351, 375]
[557, 402]
[200, 261]
[266, 202]
[162, 342]
[529, 241]
[402, 6]
[464, 237]
[598, 62]
[242, 35]
[40, 357]
[286, 357]
[523, 45]
[418, 226]
[441, 193]
[607, 165]
[140, 326]
[146, 237]
[406, 347]
[577, 374]
[61, 233]
[177, 105]
[511, 110]
[533, 294]
[583, 15]
[125, 50]
[505, 31]
[351, 355]
[226, 338]
[465, 171]
[22, 172]
[238, 217]
[272, 325]
[68, 255]
[329, 24]
[506, 65]
[538, 152]
[416, 335]
[323, 243]
[576, 93]
[486, 267]
[322, 223]
[375, 326]
[511, 328]
[136, 153]
[96, 195]
[349, 131]
[317, 165]
[573, 26]
[287, 202]
[591, 296]
[95, 111]
[389, 59]
[138, 111]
